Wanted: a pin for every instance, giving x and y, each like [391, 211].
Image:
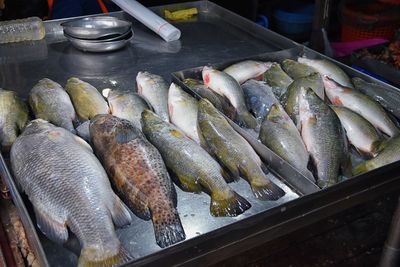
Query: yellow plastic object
[180, 14]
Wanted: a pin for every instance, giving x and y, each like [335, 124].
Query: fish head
[277, 113]
[192, 82]
[38, 126]
[103, 126]
[208, 111]
[287, 63]
[151, 120]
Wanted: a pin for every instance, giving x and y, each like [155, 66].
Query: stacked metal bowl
[98, 34]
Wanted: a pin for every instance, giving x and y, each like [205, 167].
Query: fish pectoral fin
[124, 135]
[54, 228]
[189, 184]
[120, 214]
[228, 176]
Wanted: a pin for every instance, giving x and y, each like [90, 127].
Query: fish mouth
[37, 121]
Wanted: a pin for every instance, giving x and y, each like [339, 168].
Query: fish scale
[45, 155]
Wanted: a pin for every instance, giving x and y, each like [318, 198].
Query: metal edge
[29, 228]
[276, 222]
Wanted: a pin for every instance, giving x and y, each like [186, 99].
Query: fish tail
[326, 183]
[267, 191]
[168, 230]
[98, 257]
[231, 205]
[246, 119]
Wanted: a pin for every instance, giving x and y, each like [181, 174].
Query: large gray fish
[259, 97]
[323, 136]
[277, 79]
[296, 70]
[182, 109]
[361, 104]
[233, 151]
[325, 67]
[248, 69]
[360, 132]
[126, 105]
[279, 133]
[313, 81]
[387, 97]
[389, 152]
[138, 173]
[193, 166]
[225, 85]
[69, 189]
[218, 101]
[155, 90]
[13, 117]
[50, 102]
[88, 102]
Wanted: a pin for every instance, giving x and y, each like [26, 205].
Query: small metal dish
[103, 46]
[108, 38]
[96, 27]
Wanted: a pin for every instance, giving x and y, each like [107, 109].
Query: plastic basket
[369, 20]
[294, 21]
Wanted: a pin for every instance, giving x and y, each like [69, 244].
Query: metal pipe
[391, 250]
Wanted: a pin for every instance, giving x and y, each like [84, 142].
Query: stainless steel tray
[215, 34]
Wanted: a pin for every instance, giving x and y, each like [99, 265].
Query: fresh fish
[248, 69]
[389, 153]
[277, 79]
[233, 151]
[259, 97]
[13, 118]
[193, 166]
[279, 133]
[126, 105]
[325, 67]
[296, 70]
[69, 189]
[155, 90]
[138, 173]
[390, 99]
[360, 132]
[50, 102]
[323, 136]
[218, 101]
[313, 81]
[88, 102]
[226, 86]
[183, 111]
[361, 104]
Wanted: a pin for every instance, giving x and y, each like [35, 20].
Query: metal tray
[215, 35]
[205, 38]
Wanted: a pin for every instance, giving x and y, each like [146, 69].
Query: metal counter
[215, 35]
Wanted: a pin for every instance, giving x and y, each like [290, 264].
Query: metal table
[215, 35]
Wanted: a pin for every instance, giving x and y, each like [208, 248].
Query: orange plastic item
[370, 20]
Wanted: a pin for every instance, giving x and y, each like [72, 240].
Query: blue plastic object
[263, 21]
[296, 19]
[370, 74]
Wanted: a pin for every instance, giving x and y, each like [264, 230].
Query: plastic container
[294, 20]
[369, 20]
[29, 29]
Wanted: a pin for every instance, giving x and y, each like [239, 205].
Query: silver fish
[248, 69]
[155, 90]
[69, 189]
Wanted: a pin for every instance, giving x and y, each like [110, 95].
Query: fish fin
[189, 185]
[228, 206]
[376, 148]
[124, 135]
[267, 191]
[346, 165]
[120, 214]
[97, 257]
[264, 168]
[83, 143]
[83, 131]
[170, 232]
[246, 119]
[228, 177]
[54, 228]
[361, 168]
